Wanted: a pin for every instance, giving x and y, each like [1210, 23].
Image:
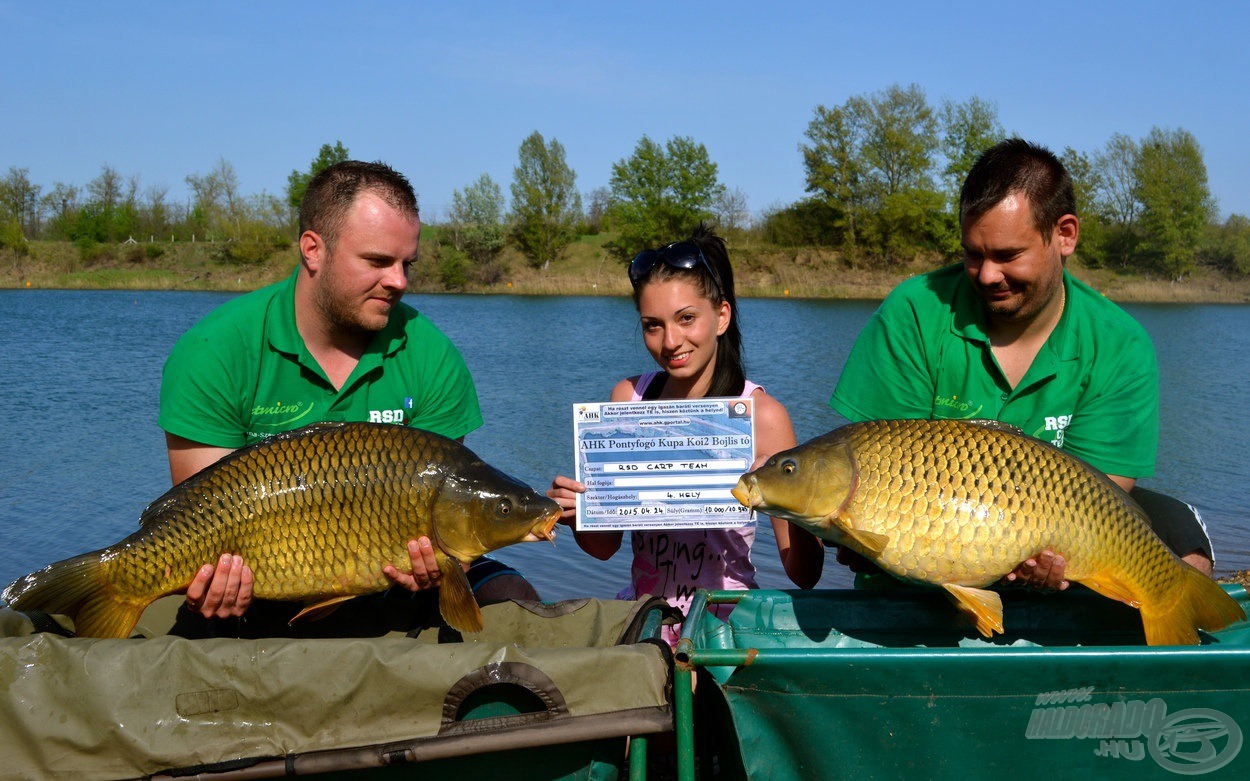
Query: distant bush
[1227, 246]
[251, 249]
[490, 272]
[138, 253]
[92, 251]
[808, 223]
[453, 268]
[442, 264]
[12, 238]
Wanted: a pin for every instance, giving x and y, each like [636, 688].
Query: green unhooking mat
[537, 675]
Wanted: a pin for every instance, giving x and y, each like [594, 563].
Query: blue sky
[446, 92]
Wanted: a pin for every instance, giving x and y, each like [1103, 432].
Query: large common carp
[316, 513]
[960, 504]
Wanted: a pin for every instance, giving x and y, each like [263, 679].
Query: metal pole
[683, 700]
[638, 758]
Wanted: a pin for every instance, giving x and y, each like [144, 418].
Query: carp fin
[79, 588]
[455, 597]
[170, 502]
[985, 607]
[1198, 603]
[1112, 589]
[115, 619]
[868, 543]
[319, 610]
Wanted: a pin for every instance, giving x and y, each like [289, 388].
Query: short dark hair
[333, 191]
[1017, 166]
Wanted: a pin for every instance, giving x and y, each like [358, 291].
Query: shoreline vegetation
[586, 269]
[881, 174]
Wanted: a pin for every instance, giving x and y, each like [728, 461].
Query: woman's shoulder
[627, 389]
[773, 429]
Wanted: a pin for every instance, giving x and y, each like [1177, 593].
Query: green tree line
[111, 209]
[882, 174]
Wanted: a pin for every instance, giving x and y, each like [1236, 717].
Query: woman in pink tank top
[684, 293]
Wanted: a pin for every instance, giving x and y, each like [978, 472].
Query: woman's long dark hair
[728, 376]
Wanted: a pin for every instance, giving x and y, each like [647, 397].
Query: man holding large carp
[332, 342]
[1000, 412]
[1011, 336]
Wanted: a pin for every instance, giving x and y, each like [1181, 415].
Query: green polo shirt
[1092, 389]
[243, 373]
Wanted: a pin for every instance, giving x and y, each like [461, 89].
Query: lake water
[82, 456]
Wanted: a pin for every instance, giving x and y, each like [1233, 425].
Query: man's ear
[312, 249]
[1067, 232]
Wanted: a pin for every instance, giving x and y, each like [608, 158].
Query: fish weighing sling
[960, 504]
[316, 513]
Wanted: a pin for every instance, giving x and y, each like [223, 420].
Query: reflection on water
[80, 372]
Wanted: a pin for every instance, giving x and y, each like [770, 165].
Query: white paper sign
[665, 464]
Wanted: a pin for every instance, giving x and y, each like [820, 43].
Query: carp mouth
[747, 492]
[749, 495]
[544, 530]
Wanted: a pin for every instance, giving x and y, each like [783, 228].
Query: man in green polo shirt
[330, 343]
[1010, 335]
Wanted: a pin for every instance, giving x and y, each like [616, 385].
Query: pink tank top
[673, 564]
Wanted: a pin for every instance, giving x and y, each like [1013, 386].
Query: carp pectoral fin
[319, 610]
[455, 598]
[868, 543]
[985, 607]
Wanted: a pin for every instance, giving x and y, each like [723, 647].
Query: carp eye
[789, 465]
[505, 506]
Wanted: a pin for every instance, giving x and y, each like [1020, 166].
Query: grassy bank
[587, 269]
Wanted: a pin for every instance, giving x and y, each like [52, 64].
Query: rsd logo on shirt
[386, 416]
[1058, 424]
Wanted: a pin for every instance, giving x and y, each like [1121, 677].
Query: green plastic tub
[891, 684]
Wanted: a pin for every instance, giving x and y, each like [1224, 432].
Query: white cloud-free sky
[447, 91]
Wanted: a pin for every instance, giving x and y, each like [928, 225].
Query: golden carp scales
[316, 513]
[960, 504]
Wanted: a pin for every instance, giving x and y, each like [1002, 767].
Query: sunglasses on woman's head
[685, 255]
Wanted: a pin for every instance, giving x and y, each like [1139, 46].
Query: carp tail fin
[106, 616]
[78, 588]
[1199, 603]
